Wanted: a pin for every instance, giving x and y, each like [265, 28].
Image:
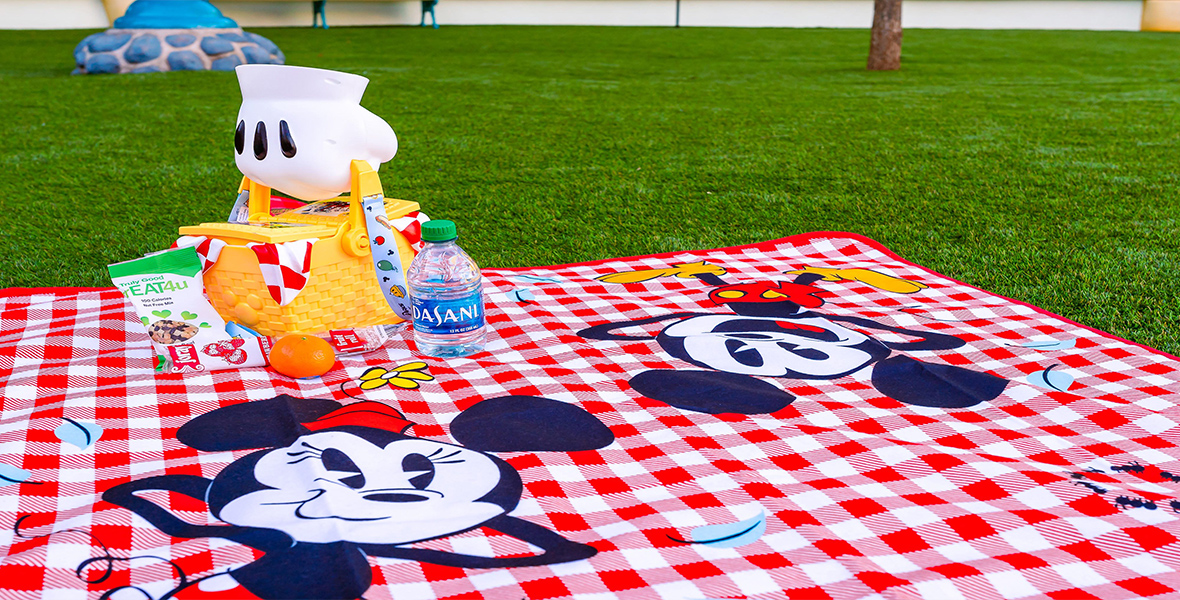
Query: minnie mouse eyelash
[305, 454]
[442, 460]
[317, 453]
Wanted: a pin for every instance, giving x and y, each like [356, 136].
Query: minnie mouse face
[799, 348]
[332, 486]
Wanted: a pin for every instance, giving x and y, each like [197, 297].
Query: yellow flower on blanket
[404, 376]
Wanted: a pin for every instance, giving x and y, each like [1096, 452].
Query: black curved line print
[720, 539]
[84, 431]
[1045, 378]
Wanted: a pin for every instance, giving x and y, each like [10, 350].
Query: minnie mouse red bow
[373, 415]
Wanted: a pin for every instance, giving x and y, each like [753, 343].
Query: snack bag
[168, 293]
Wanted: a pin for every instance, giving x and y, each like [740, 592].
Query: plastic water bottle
[446, 294]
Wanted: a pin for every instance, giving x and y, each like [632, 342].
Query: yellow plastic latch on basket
[342, 290]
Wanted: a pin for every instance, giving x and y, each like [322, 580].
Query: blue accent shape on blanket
[730, 535]
[80, 434]
[524, 423]
[1053, 380]
[535, 279]
[1046, 345]
[10, 475]
[521, 295]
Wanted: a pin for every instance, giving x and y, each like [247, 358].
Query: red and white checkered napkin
[410, 226]
[1039, 493]
[284, 267]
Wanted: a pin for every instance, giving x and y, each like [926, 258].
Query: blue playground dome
[172, 14]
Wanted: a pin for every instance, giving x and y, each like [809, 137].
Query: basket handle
[259, 200]
[365, 183]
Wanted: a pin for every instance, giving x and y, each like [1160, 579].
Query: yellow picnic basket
[342, 290]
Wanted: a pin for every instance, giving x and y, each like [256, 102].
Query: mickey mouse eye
[240, 137]
[285, 140]
[335, 460]
[260, 141]
[744, 354]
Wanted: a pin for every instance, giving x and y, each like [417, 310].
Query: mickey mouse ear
[930, 384]
[712, 392]
[529, 423]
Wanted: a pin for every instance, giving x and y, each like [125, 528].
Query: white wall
[942, 14]
[52, 14]
[931, 14]
[462, 12]
[1014, 14]
[938, 14]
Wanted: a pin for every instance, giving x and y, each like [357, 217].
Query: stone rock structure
[172, 35]
[154, 50]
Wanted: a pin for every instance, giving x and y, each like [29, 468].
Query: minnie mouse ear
[711, 392]
[529, 423]
[259, 424]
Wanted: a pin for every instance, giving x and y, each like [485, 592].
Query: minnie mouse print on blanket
[330, 485]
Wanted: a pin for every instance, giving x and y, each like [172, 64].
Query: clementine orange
[298, 355]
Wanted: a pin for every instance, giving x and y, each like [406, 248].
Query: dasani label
[444, 317]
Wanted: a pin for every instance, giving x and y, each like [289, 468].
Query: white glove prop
[299, 129]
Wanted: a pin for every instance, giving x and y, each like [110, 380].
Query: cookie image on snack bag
[167, 331]
[224, 347]
[228, 350]
[236, 357]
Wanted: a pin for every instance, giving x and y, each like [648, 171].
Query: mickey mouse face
[333, 486]
[804, 348]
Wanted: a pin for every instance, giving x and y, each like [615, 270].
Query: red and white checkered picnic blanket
[1037, 493]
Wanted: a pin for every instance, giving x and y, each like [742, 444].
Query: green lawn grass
[1038, 165]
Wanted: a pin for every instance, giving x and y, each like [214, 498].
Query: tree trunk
[885, 47]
